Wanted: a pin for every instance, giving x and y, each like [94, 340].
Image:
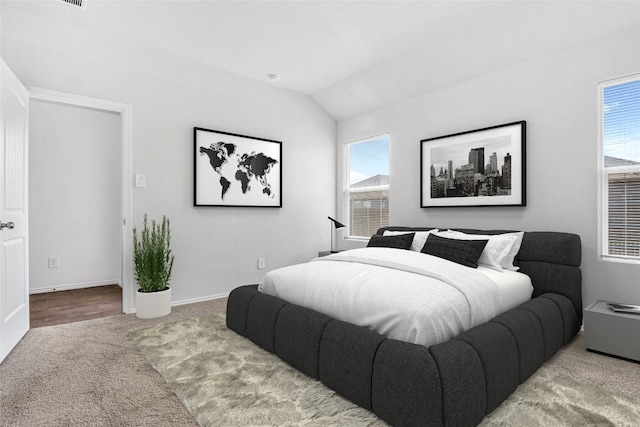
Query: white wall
[74, 196]
[557, 96]
[216, 249]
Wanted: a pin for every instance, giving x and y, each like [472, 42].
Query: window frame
[347, 191]
[603, 178]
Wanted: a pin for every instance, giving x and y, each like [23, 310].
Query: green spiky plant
[152, 258]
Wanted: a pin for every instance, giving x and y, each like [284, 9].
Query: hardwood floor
[54, 308]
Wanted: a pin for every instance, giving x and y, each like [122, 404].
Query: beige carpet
[92, 373]
[225, 380]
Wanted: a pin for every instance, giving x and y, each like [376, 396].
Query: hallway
[55, 308]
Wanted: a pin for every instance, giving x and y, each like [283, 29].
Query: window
[367, 194]
[619, 103]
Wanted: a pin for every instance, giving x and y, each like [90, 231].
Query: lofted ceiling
[350, 57]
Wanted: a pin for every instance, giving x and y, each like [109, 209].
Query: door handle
[8, 225]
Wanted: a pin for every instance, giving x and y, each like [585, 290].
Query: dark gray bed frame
[455, 383]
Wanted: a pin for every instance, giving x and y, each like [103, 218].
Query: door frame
[126, 113]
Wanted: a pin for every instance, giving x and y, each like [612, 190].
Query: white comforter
[404, 295]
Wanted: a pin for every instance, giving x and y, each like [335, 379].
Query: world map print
[248, 168]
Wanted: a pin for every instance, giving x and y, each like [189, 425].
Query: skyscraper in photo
[476, 158]
[493, 164]
[506, 171]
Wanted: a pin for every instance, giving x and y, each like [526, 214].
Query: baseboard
[201, 299]
[74, 286]
[117, 282]
[192, 300]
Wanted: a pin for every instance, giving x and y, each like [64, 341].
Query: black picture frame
[477, 181]
[236, 170]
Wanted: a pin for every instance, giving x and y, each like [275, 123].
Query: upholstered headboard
[551, 259]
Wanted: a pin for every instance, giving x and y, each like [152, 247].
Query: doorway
[80, 192]
[56, 308]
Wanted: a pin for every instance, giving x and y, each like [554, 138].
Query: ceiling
[350, 57]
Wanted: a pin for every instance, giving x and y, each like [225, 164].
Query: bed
[454, 382]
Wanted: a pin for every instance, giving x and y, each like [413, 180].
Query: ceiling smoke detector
[82, 4]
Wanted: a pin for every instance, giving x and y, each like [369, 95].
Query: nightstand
[610, 332]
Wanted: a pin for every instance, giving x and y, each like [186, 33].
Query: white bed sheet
[515, 288]
[391, 292]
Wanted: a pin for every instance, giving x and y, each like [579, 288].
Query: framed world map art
[236, 170]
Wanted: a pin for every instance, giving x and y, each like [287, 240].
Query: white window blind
[367, 193]
[620, 166]
[624, 214]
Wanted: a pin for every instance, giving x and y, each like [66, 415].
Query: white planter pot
[150, 305]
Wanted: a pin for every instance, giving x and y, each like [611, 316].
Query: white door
[14, 243]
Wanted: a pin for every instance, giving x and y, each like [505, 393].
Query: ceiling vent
[82, 4]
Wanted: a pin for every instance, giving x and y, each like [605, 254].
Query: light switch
[141, 180]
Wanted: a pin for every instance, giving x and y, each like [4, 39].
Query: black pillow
[400, 241]
[465, 252]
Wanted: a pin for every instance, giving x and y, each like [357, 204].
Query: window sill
[357, 239]
[619, 260]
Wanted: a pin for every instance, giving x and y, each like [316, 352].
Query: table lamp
[337, 225]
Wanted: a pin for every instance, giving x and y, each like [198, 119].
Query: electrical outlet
[53, 262]
[141, 180]
[262, 263]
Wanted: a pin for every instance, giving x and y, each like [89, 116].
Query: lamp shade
[336, 224]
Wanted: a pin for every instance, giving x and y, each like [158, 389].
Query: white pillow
[497, 249]
[507, 262]
[419, 239]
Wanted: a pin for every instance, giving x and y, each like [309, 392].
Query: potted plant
[153, 263]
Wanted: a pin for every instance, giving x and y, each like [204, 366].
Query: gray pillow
[465, 252]
[400, 241]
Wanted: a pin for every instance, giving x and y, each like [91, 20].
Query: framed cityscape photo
[483, 167]
[236, 170]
